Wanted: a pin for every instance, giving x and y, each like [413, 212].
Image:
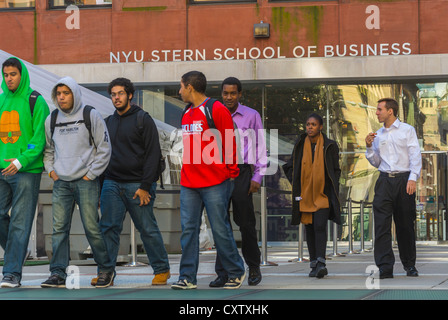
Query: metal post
[350, 228]
[134, 262]
[264, 249]
[300, 246]
[361, 221]
[335, 242]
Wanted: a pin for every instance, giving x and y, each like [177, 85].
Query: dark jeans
[116, 200]
[19, 194]
[215, 199]
[392, 201]
[244, 217]
[316, 235]
[65, 195]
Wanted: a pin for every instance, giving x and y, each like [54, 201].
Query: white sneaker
[183, 285]
[235, 283]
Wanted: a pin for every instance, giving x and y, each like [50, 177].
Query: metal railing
[350, 206]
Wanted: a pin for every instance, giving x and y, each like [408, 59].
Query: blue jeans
[18, 193]
[86, 194]
[116, 199]
[215, 199]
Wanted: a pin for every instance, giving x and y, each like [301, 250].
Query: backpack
[86, 121]
[32, 100]
[208, 110]
[162, 164]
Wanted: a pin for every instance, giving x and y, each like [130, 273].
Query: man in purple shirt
[252, 164]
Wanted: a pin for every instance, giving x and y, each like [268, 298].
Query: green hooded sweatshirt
[22, 137]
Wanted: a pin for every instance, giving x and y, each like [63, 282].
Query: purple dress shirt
[252, 139]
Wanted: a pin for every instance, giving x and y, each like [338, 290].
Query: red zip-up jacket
[203, 164]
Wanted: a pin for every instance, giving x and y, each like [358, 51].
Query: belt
[394, 174]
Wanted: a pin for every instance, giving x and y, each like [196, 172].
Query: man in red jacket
[208, 169]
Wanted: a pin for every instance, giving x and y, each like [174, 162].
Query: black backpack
[208, 109]
[86, 121]
[162, 164]
[32, 101]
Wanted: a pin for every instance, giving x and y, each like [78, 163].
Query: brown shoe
[94, 281]
[161, 278]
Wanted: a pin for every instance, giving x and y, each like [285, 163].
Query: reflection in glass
[17, 3]
[349, 115]
[79, 3]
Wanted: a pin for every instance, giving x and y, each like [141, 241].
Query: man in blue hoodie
[75, 159]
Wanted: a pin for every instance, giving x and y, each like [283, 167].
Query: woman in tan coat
[314, 173]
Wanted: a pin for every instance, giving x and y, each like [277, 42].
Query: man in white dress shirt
[395, 151]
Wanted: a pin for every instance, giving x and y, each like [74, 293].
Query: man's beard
[123, 107]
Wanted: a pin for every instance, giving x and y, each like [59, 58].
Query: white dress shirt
[396, 149]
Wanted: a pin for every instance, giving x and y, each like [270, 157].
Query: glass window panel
[287, 107]
[79, 3]
[8, 4]
[349, 112]
[296, 0]
[218, 1]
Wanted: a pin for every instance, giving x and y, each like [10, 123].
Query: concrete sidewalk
[284, 278]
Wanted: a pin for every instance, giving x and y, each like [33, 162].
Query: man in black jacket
[130, 179]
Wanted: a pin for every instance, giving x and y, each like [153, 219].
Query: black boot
[321, 269]
[313, 265]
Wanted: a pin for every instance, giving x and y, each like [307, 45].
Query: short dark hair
[196, 79]
[232, 81]
[123, 82]
[317, 117]
[390, 104]
[12, 62]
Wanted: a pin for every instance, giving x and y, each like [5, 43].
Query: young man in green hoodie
[22, 141]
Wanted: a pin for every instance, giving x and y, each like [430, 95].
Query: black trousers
[392, 201]
[244, 217]
[316, 235]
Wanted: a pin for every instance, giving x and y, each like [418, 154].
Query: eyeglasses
[121, 94]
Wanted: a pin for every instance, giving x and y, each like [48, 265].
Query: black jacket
[135, 151]
[292, 171]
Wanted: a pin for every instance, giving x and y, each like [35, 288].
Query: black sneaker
[411, 272]
[254, 276]
[219, 282]
[54, 281]
[105, 279]
[10, 281]
[321, 270]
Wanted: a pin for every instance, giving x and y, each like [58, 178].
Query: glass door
[430, 224]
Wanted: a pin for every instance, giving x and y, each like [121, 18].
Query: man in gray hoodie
[74, 159]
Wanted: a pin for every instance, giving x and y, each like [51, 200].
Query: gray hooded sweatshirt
[69, 152]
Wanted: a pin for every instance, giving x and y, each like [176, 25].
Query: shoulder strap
[140, 115]
[208, 109]
[87, 122]
[209, 113]
[86, 119]
[32, 100]
[54, 116]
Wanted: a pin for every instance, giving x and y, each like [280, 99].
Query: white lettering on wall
[328, 50]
